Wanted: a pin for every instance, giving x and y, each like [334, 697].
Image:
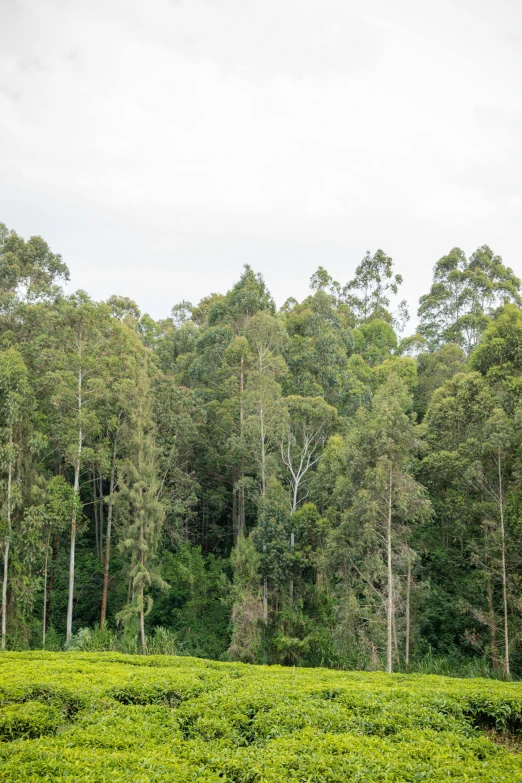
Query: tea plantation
[99, 717]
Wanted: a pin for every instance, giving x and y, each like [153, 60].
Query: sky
[160, 145]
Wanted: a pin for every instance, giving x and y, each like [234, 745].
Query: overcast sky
[161, 144]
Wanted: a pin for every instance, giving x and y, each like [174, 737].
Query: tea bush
[100, 717]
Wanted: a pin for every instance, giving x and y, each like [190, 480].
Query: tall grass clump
[161, 641]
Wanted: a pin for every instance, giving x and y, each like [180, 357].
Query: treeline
[302, 486]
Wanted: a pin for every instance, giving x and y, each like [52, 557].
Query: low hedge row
[96, 717]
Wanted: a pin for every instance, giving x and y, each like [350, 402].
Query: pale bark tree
[488, 477]
[52, 517]
[14, 395]
[389, 498]
[108, 535]
[7, 538]
[127, 356]
[308, 423]
[507, 670]
[80, 374]
[390, 609]
[74, 519]
[264, 411]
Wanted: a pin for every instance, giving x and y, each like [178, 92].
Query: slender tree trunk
[263, 447]
[492, 623]
[292, 547]
[95, 507]
[294, 497]
[408, 627]
[68, 631]
[265, 593]
[240, 499]
[142, 550]
[241, 391]
[54, 555]
[294, 509]
[204, 526]
[389, 644]
[507, 671]
[142, 597]
[107, 554]
[263, 490]
[235, 523]
[241, 509]
[237, 506]
[142, 624]
[44, 617]
[101, 520]
[262, 424]
[4, 593]
[394, 627]
[7, 541]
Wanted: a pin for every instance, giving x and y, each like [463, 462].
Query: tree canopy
[304, 486]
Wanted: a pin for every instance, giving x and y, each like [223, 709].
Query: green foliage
[161, 641]
[499, 356]
[247, 608]
[141, 513]
[28, 269]
[14, 387]
[28, 720]
[236, 481]
[246, 298]
[368, 294]
[433, 370]
[375, 341]
[464, 295]
[88, 717]
[193, 609]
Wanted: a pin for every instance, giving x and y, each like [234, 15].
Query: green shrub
[28, 720]
[115, 718]
[161, 641]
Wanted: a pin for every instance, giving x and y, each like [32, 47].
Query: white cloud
[194, 136]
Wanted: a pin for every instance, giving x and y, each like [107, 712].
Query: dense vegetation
[107, 717]
[303, 486]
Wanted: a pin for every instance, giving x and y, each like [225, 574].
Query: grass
[100, 717]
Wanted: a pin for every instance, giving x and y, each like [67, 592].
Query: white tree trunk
[292, 547]
[4, 593]
[7, 543]
[95, 509]
[68, 630]
[507, 671]
[142, 597]
[107, 554]
[44, 612]
[263, 446]
[101, 520]
[389, 644]
[263, 480]
[241, 505]
[408, 621]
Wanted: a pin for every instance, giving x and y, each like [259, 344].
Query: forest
[310, 486]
